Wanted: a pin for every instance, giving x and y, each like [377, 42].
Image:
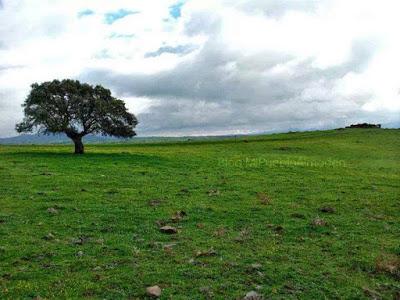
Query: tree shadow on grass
[89, 158]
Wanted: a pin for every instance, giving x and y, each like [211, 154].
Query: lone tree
[76, 109]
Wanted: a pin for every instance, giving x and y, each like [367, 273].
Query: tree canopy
[76, 109]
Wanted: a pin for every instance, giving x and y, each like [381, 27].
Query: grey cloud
[225, 90]
[219, 74]
[221, 89]
[8, 67]
[202, 23]
[273, 8]
[179, 50]
[11, 111]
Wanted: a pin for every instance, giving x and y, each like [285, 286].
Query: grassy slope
[103, 197]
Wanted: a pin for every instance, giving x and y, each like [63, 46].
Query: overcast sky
[211, 66]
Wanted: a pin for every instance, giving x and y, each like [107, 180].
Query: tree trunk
[79, 149]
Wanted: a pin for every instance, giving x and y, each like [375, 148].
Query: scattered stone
[264, 199]
[168, 247]
[168, 230]
[153, 291]
[253, 295]
[213, 193]
[80, 240]
[155, 202]
[256, 266]
[261, 274]
[49, 237]
[220, 232]
[318, 222]
[210, 252]
[97, 268]
[243, 235]
[206, 291]
[389, 264]
[178, 216]
[371, 293]
[52, 211]
[278, 229]
[327, 209]
[46, 174]
[79, 254]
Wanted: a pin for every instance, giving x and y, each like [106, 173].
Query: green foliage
[254, 213]
[76, 109]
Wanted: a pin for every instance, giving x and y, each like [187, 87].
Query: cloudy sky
[211, 66]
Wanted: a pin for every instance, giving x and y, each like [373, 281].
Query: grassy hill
[304, 215]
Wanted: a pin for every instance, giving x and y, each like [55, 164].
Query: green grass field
[88, 226]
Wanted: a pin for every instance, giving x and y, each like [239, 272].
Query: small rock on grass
[210, 252]
[253, 296]
[155, 202]
[49, 237]
[168, 230]
[52, 211]
[80, 240]
[256, 266]
[371, 293]
[318, 222]
[178, 216]
[278, 229]
[206, 291]
[327, 209]
[264, 199]
[219, 232]
[168, 247]
[213, 192]
[153, 291]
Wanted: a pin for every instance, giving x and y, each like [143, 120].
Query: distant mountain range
[41, 139]
[51, 139]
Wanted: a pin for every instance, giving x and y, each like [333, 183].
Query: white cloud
[255, 64]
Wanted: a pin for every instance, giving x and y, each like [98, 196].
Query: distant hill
[52, 139]
[41, 139]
